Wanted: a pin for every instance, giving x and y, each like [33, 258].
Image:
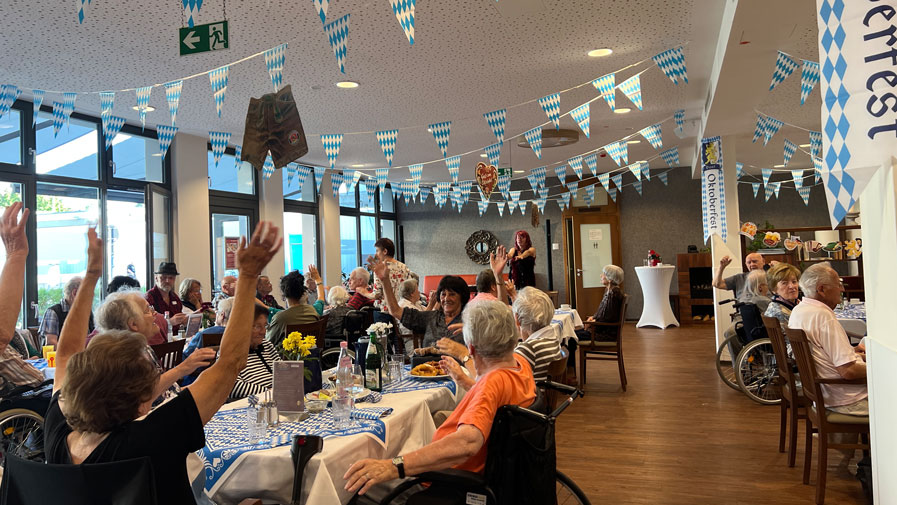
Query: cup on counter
[565, 306]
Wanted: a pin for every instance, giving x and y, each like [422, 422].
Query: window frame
[312, 208]
[220, 194]
[377, 214]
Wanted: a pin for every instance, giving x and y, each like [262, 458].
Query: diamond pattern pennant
[619, 151]
[540, 204]
[790, 147]
[336, 180]
[268, 167]
[218, 81]
[592, 162]
[604, 179]
[534, 139]
[767, 173]
[767, 193]
[319, 178]
[302, 174]
[274, 60]
[776, 187]
[573, 187]
[501, 208]
[785, 66]
[618, 181]
[454, 166]
[58, 118]
[815, 144]
[166, 135]
[632, 88]
[551, 105]
[332, 143]
[636, 170]
[671, 157]
[672, 63]
[219, 142]
[387, 140]
[68, 104]
[338, 34]
[504, 185]
[590, 194]
[291, 169]
[798, 177]
[581, 116]
[804, 192]
[561, 172]
[404, 11]
[191, 9]
[756, 187]
[496, 120]
[493, 151]
[541, 173]
[638, 187]
[652, 135]
[533, 182]
[482, 205]
[370, 188]
[38, 101]
[321, 9]
[809, 77]
[113, 126]
[143, 96]
[739, 170]
[107, 100]
[645, 169]
[173, 97]
[760, 128]
[607, 87]
[576, 164]
[772, 127]
[679, 117]
[663, 178]
[381, 179]
[441, 132]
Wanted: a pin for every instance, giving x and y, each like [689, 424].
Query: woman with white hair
[337, 310]
[504, 378]
[409, 297]
[608, 312]
[756, 290]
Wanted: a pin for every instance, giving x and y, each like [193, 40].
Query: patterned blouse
[398, 273]
[780, 309]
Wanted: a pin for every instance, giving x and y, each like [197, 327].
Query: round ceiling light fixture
[358, 165]
[347, 84]
[633, 141]
[483, 155]
[554, 138]
[148, 108]
[597, 53]
[622, 110]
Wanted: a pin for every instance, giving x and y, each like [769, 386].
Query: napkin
[371, 413]
[374, 397]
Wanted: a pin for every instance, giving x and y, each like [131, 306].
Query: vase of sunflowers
[297, 347]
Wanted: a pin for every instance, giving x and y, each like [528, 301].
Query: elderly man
[263, 293]
[55, 316]
[228, 282]
[753, 261]
[358, 282]
[127, 310]
[163, 298]
[487, 287]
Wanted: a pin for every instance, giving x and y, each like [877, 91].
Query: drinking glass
[257, 424]
[396, 367]
[342, 410]
[357, 380]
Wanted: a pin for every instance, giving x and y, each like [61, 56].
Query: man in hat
[163, 297]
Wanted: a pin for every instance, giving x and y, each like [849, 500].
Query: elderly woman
[504, 378]
[409, 298]
[783, 284]
[608, 312]
[101, 391]
[336, 298]
[190, 291]
[258, 374]
[756, 290]
[292, 285]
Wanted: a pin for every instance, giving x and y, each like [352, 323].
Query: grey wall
[788, 211]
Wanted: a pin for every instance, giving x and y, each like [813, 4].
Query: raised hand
[313, 274]
[264, 244]
[94, 253]
[12, 230]
[498, 259]
[725, 261]
[380, 268]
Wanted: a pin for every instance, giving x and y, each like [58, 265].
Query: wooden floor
[678, 435]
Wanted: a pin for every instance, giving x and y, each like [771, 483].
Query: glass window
[387, 204]
[226, 232]
[291, 190]
[388, 230]
[70, 153]
[11, 138]
[230, 176]
[368, 236]
[366, 202]
[346, 197]
[63, 215]
[161, 211]
[137, 158]
[126, 235]
[300, 240]
[348, 235]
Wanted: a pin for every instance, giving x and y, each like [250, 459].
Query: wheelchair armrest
[453, 477]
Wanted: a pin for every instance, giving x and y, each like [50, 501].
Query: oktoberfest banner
[857, 57]
[713, 195]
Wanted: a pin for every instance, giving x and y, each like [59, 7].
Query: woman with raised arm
[523, 261]
[101, 391]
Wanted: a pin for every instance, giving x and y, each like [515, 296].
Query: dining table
[229, 469]
[566, 321]
[852, 317]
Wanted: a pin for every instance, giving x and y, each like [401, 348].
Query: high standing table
[655, 282]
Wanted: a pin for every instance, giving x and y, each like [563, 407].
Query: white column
[328, 212]
[190, 207]
[271, 209]
[732, 247]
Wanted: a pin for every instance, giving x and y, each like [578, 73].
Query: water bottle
[170, 336]
[343, 369]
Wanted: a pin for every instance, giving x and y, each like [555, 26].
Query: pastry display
[749, 230]
[772, 239]
[792, 243]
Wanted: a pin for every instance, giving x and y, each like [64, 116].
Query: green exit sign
[203, 38]
[505, 172]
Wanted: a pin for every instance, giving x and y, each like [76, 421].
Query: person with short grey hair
[614, 274]
[533, 312]
[358, 282]
[608, 312]
[54, 317]
[409, 297]
[756, 290]
[336, 298]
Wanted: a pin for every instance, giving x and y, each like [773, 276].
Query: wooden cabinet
[695, 288]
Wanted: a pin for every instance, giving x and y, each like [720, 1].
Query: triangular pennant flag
[336, 180]
[454, 166]
[790, 147]
[404, 11]
[785, 66]
[387, 140]
[58, 118]
[540, 203]
[604, 179]
[606, 86]
[143, 96]
[381, 178]
[663, 178]
[424, 193]
[292, 168]
[481, 206]
[756, 186]
[113, 126]
[772, 127]
[590, 194]
[776, 187]
[543, 192]
[652, 135]
[817, 165]
[398, 189]
[351, 179]
[338, 34]
[551, 105]
[541, 173]
[581, 116]
[166, 135]
[511, 207]
[561, 204]
[466, 186]
[592, 162]
[767, 173]
[618, 181]
[107, 101]
[638, 187]
[238, 153]
[804, 192]
[645, 169]
[739, 170]
[561, 172]
[321, 9]
[319, 178]
[81, 10]
[370, 186]
[493, 151]
[533, 181]
[815, 144]
[274, 60]
[501, 208]
[616, 152]
[760, 128]
[679, 117]
[767, 192]
[302, 175]
[504, 185]
[809, 76]
[798, 177]
[38, 101]
[572, 187]
[218, 81]
[416, 171]
[68, 105]
[843, 187]
[632, 88]
[441, 132]
[534, 139]
[636, 170]
[191, 9]
[522, 206]
[332, 143]
[671, 156]
[268, 167]
[496, 120]
[566, 198]
[672, 63]
[219, 142]
[576, 164]
[173, 97]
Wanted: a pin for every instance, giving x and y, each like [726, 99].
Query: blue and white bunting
[756, 188]
[302, 174]
[382, 173]
[453, 165]
[533, 182]
[619, 151]
[645, 170]
[268, 167]
[653, 135]
[38, 101]
[543, 191]
[592, 162]
[338, 34]
[219, 142]
[319, 178]
[107, 101]
[173, 97]
[191, 9]
[790, 147]
[772, 127]
[739, 170]
[672, 63]
[111, 129]
[664, 178]
[441, 132]
[8, 95]
[493, 151]
[336, 180]
[561, 172]
[804, 192]
[581, 116]
[274, 60]
[760, 128]
[496, 120]
[636, 170]
[809, 77]
[541, 173]
[534, 139]
[566, 199]
[501, 208]
[632, 88]
[551, 105]
[604, 179]
[767, 173]
[679, 117]
[332, 143]
[218, 81]
[815, 144]
[607, 87]
[515, 198]
[572, 187]
[504, 186]
[798, 177]
[81, 10]
[522, 206]
[618, 181]
[292, 169]
[638, 187]
[540, 203]
[370, 188]
[58, 118]
[166, 135]
[416, 172]
[776, 187]
[143, 96]
[321, 9]
[404, 11]
[482, 205]
[68, 105]
[767, 193]
[785, 66]
[590, 194]
[387, 140]
[576, 164]
[671, 156]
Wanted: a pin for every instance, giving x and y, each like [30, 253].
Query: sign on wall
[713, 195]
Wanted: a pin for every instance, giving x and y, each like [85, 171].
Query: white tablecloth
[268, 474]
[565, 321]
[853, 318]
[656, 310]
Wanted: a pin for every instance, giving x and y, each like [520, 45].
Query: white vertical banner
[859, 120]
[713, 193]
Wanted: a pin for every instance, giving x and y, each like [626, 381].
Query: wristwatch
[399, 461]
[465, 359]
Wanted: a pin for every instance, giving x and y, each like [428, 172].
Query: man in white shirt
[834, 356]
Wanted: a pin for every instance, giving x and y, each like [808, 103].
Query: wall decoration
[809, 77]
[551, 105]
[592, 162]
[792, 243]
[767, 173]
[319, 178]
[493, 151]
[268, 167]
[749, 230]
[166, 135]
[671, 157]
[606, 86]
[338, 34]
[487, 178]
[496, 121]
[387, 140]
[632, 88]
[772, 239]
[772, 127]
[219, 141]
[321, 9]
[759, 128]
[38, 101]
[332, 143]
[274, 60]
[454, 166]
[790, 147]
[672, 63]
[653, 135]
[804, 192]
[739, 170]
[713, 191]
[441, 132]
[576, 164]
[679, 117]
[785, 66]
[8, 96]
[404, 12]
[561, 172]
[756, 188]
[191, 10]
[854, 248]
[534, 139]
[113, 126]
[581, 116]
[218, 81]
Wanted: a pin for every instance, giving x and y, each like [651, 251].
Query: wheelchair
[520, 466]
[21, 429]
[746, 361]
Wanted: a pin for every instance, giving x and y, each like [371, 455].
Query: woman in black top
[101, 391]
[523, 261]
[608, 312]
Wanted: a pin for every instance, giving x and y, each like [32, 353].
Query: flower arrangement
[380, 329]
[653, 257]
[298, 348]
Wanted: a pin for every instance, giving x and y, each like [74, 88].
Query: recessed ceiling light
[483, 155]
[358, 165]
[597, 53]
[633, 141]
[409, 179]
[622, 110]
[805, 145]
[430, 130]
[347, 84]
[159, 155]
[518, 171]
[778, 166]
[148, 108]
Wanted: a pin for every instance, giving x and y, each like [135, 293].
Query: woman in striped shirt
[257, 376]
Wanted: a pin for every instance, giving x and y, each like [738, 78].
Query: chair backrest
[618, 338]
[752, 322]
[303, 449]
[211, 340]
[354, 325]
[170, 354]
[557, 372]
[318, 329]
[553, 295]
[803, 354]
[521, 459]
[774, 330]
[128, 482]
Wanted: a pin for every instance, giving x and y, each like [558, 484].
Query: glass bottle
[373, 365]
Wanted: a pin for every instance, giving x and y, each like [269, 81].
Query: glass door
[158, 215]
[228, 225]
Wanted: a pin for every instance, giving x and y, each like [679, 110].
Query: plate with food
[431, 370]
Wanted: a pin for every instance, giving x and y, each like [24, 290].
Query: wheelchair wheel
[22, 434]
[757, 373]
[330, 356]
[568, 491]
[725, 367]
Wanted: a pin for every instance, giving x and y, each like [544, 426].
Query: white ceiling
[469, 57]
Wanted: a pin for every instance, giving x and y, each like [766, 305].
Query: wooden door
[593, 241]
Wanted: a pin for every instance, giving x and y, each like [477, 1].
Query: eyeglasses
[259, 327]
[149, 309]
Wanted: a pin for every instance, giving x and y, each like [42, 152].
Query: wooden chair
[211, 340]
[604, 350]
[557, 372]
[793, 400]
[170, 354]
[824, 420]
[554, 297]
[318, 329]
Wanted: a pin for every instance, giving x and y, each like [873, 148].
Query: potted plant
[297, 347]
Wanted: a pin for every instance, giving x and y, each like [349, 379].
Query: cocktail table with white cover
[656, 310]
[268, 474]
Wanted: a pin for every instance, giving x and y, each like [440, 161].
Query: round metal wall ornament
[480, 245]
